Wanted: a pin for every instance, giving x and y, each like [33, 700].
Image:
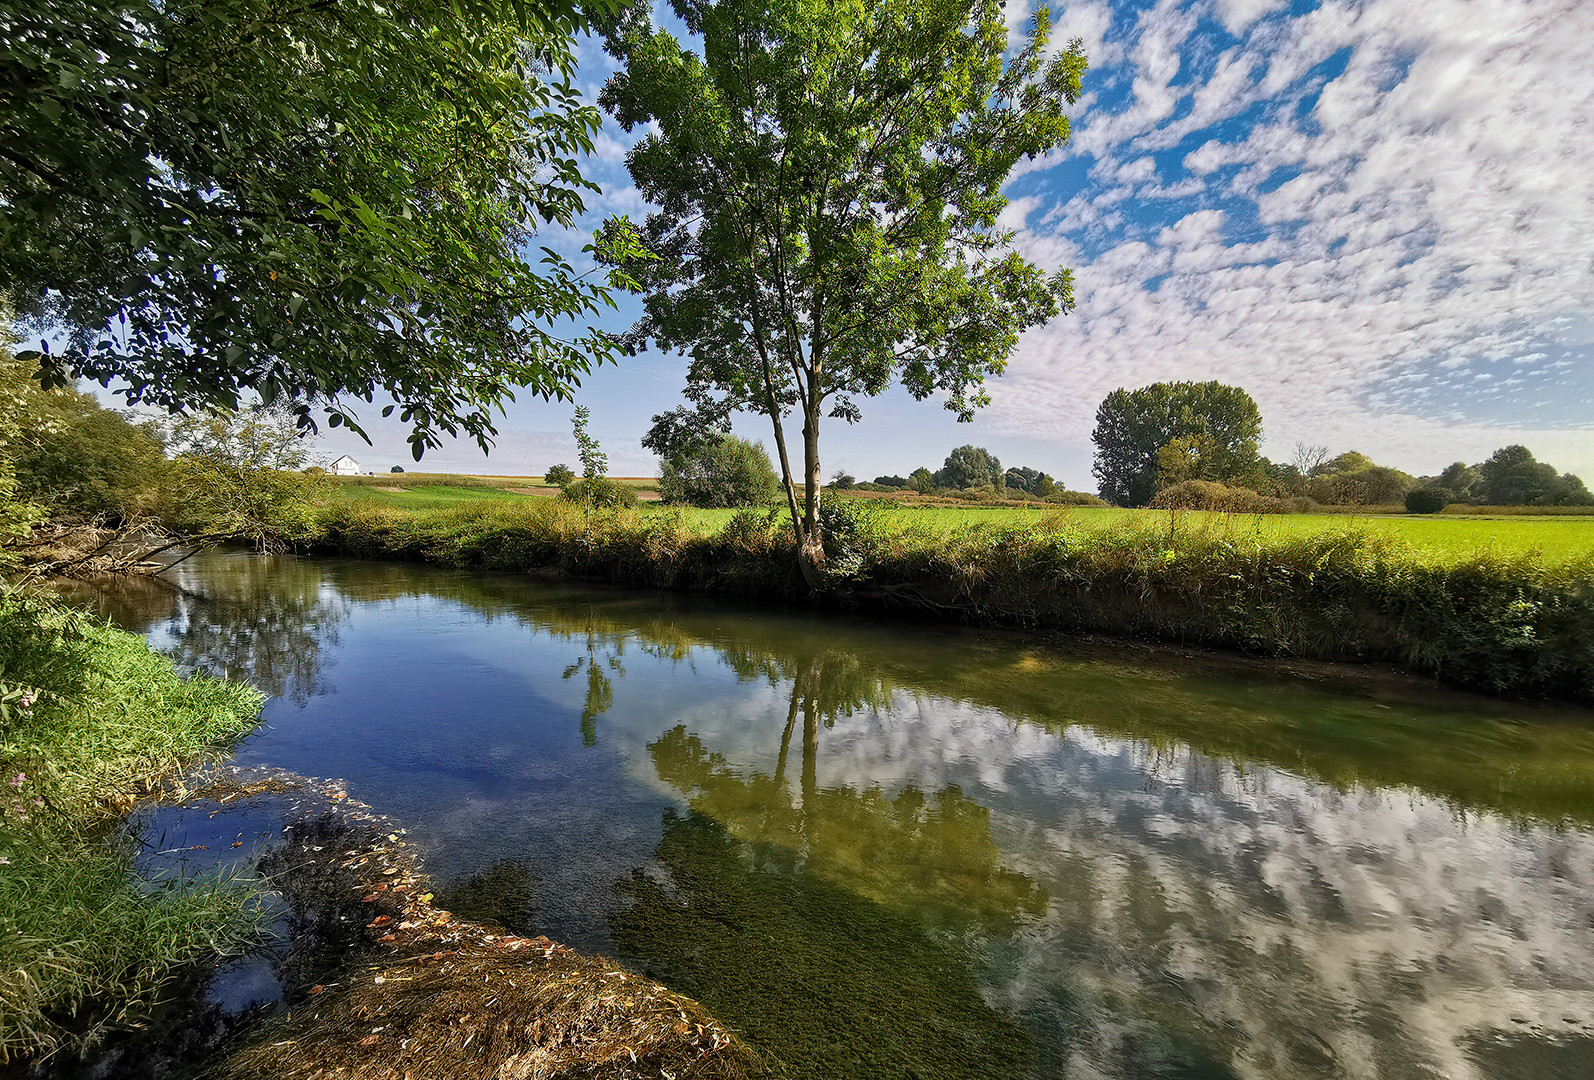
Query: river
[890, 850]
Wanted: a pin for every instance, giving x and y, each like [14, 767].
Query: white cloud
[1437, 210]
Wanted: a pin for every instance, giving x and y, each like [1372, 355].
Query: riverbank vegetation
[1476, 616]
[92, 721]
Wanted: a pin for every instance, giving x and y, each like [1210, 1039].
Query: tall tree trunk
[812, 542]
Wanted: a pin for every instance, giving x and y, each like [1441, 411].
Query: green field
[429, 497]
[1552, 538]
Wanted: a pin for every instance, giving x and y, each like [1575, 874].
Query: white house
[345, 466]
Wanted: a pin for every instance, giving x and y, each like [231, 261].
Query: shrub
[1211, 496]
[890, 481]
[601, 490]
[559, 475]
[1074, 498]
[731, 472]
[396, 468]
[1426, 500]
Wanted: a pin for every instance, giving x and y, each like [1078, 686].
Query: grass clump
[94, 721]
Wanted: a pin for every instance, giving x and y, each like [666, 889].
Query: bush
[1074, 498]
[396, 468]
[731, 472]
[601, 490]
[1426, 500]
[559, 475]
[890, 481]
[1211, 496]
[84, 460]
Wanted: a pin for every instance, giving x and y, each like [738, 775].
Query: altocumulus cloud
[1376, 217]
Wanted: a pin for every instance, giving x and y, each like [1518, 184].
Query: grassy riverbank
[1481, 617]
[91, 721]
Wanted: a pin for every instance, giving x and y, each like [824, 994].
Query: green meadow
[1441, 537]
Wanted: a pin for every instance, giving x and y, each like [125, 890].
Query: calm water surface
[882, 850]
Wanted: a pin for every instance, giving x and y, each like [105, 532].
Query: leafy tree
[558, 475]
[1513, 477]
[1460, 479]
[921, 480]
[317, 202]
[1351, 461]
[1382, 485]
[732, 472]
[1571, 491]
[396, 469]
[1133, 425]
[235, 475]
[19, 397]
[830, 180]
[969, 466]
[842, 480]
[1029, 481]
[891, 481]
[88, 460]
[594, 462]
[1353, 479]
[1189, 457]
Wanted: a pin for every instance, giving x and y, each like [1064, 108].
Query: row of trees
[974, 467]
[1159, 436]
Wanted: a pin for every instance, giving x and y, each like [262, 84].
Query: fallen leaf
[317, 988]
[388, 937]
[370, 1040]
[380, 920]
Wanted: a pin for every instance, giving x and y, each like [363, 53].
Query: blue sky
[1376, 217]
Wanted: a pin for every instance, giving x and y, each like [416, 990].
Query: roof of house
[344, 458]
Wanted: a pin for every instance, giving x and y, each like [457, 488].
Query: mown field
[1443, 537]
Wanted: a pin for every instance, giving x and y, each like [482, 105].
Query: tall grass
[1510, 623]
[98, 721]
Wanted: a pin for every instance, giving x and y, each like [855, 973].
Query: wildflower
[19, 779]
[28, 700]
[6, 862]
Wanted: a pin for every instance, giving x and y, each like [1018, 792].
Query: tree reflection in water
[267, 620]
[839, 985]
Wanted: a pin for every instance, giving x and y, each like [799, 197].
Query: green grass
[1440, 538]
[84, 943]
[430, 496]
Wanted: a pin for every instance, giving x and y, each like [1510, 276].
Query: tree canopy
[315, 202]
[829, 182]
[1514, 477]
[728, 472]
[969, 466]
[1221, 423]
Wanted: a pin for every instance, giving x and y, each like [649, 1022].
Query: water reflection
[267, 620]
[1094, 863]
[834, 984]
